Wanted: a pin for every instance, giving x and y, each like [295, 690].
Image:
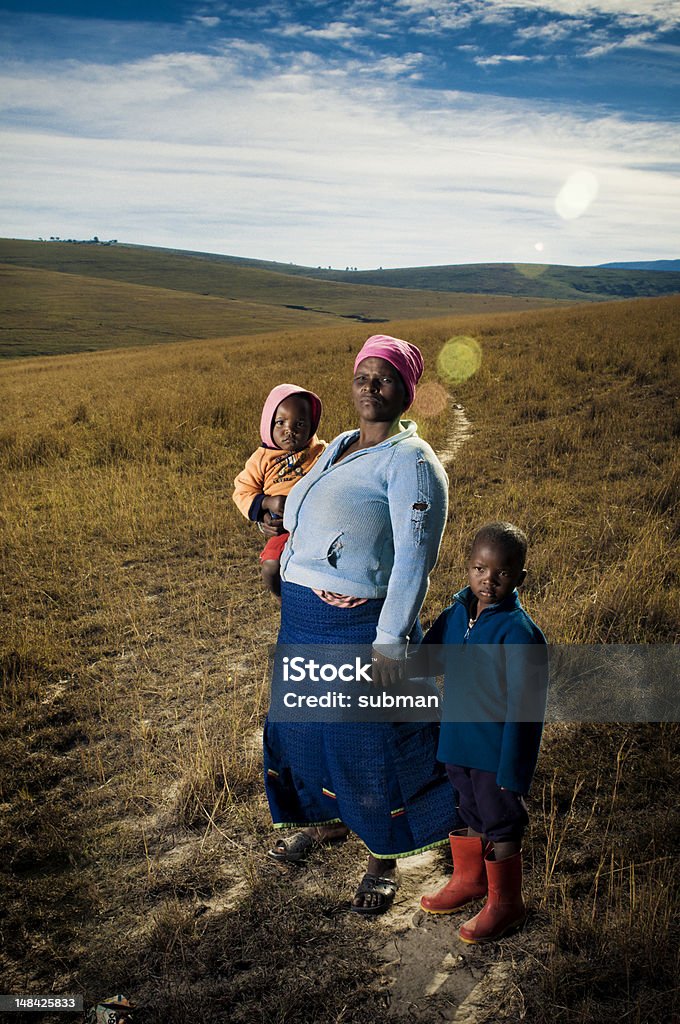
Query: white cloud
[587, 28]
[246, 49]
[207, 22]
[510, 58]
[661, 12]
[553, 31]
[634, 41]
[388, 67]
[561, 19]
[342, 165]
[338, 31]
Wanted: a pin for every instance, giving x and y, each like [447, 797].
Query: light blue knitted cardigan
[370, 526]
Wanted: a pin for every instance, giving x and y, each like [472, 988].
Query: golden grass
[50, 313]
[134, 676]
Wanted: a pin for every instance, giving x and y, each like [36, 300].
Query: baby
[289, 449]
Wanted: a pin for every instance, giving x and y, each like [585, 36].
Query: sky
[352, 133]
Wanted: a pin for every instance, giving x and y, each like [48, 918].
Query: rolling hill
[535, 280]
[664, 266]
[60, 297]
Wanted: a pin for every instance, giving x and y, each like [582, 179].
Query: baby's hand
[274, 504]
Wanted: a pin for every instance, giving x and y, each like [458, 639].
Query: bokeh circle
[459, 359]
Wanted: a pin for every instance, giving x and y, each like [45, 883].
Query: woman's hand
[270, 526]
[386, 671]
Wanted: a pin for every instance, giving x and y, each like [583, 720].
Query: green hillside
[232, 277]
[572, 284]
[62, 298]
[536, 280]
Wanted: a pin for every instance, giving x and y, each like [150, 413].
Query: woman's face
[378, 391]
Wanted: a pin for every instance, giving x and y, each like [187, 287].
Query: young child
[490, 757]
[289, 449]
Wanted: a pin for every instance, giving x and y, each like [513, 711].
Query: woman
[365, 527]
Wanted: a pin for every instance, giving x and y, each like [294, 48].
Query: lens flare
[431, 399]
[576, 195]
[459, 359]
[531, 270]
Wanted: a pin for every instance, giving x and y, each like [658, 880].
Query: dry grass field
[134, 829]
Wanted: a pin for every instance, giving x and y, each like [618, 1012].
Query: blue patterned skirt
[382, 779]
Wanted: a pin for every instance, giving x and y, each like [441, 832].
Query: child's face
[493, 573]
[292, 424]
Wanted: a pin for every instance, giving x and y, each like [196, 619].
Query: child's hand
[274, 504]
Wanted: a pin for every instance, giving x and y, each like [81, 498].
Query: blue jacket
[370, 526]
[493, 689]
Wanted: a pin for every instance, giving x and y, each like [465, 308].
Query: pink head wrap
[273, 401]
[403, 356]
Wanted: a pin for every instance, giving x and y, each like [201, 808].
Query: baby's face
[292, 423]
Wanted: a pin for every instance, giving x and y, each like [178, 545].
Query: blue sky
[351, 133]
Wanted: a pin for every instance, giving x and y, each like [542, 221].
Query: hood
[272, 402]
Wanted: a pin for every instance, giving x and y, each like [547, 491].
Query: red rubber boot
[468, 881]
[504, 909]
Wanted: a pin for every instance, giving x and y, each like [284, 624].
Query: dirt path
[429, 974]
[461, 430]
